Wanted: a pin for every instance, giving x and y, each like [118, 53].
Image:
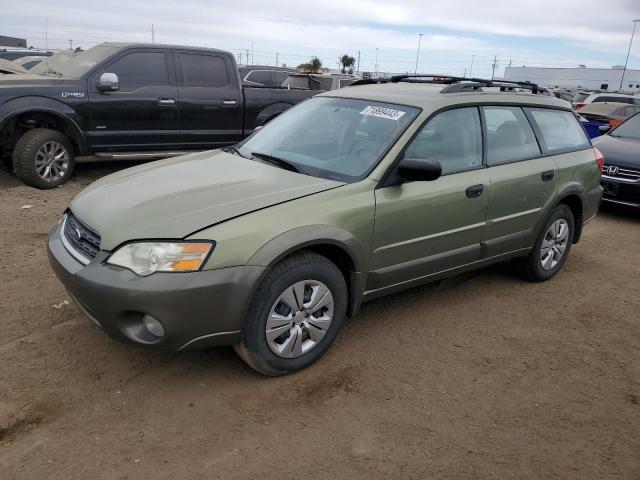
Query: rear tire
[552, 246]
[295, 315]
[43, 158]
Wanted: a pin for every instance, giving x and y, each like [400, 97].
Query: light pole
[624, 70]
[376, 62]
[418, 54]
[471, 69]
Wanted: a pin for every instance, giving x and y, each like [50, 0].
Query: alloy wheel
[52, 161]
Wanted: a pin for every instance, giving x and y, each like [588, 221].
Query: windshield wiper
[234, 149]
[277, 161]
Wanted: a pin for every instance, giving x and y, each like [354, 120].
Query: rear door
[209, 99]
[143, 113]
[523, 180]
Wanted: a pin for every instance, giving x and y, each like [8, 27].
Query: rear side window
[560, 129]
[140, 69]
[280, 77]
[453, 138]
[613, 99]
[509, 135]
[203, 70]
[263, 77]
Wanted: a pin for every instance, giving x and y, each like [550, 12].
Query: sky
[541, 33]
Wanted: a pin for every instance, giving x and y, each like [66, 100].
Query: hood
[623, 152]
[176, 197]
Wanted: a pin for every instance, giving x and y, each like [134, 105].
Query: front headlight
[145, 258]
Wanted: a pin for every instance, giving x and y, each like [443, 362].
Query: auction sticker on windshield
[382, 112]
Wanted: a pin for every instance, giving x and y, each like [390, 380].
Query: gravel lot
[481, 376]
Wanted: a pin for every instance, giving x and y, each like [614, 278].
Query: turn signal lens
[145, 258]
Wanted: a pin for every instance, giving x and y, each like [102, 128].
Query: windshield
[74, 65]
[629, 129]
[335, 138]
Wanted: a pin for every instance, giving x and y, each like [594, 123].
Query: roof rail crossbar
[467, 83]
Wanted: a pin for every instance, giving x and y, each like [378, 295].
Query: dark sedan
[621, 172]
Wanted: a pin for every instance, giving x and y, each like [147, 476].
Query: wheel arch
[48, 114]
[337, 245]
[572, 197]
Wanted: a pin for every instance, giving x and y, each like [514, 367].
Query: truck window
[560, 129]
[510, 137]
[203, 70]
[263, 77]
[140, 69]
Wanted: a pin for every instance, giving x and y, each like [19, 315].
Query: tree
[314, 66]
[347, 63]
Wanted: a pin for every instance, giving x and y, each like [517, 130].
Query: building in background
[13, 42]
[606, 79]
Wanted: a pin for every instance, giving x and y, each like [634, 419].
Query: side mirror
[419, 169]
[108, 82]
[604, 128]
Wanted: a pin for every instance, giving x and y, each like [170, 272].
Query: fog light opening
[153, 326]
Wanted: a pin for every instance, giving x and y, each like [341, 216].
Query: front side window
[203, 70]
[509, 135]
[140, 69]
[335, 138]
[453, 138]
[560, 129]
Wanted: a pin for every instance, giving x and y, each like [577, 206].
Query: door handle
[547, 176]
[229, 102]
[475, 191]
[166, 102]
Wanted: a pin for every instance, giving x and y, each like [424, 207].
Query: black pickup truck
[135, 101]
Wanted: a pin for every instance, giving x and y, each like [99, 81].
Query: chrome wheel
[554, 244]
[299, 318]
[52, 161]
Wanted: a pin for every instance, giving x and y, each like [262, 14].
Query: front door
[422, 228]
[143, 114]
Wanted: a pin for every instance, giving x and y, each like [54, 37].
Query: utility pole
[418, 54]
[635, 22]
[46, 34]
[471, 69]
[464, 75]
[376, 62]
[153, 34]
[71, 45]
[358, 69]
[493, 66]
[253, 58]
[247, 51]
[277, 58]
[240, 58]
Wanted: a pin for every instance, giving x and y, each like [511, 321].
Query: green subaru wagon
[353, 194]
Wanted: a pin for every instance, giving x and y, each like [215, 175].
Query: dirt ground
[482, 376]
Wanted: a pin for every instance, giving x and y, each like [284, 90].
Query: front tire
[552, 246]
[43, 158]
[295, 315]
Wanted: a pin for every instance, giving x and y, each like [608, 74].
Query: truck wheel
[43, 158]
[295, 315]
[552, 246]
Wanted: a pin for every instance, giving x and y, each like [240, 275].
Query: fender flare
[35, 104]
[569, 189]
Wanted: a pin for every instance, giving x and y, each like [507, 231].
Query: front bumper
[196, 310]
[622, 192]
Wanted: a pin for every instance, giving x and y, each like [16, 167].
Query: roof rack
[456, 84]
